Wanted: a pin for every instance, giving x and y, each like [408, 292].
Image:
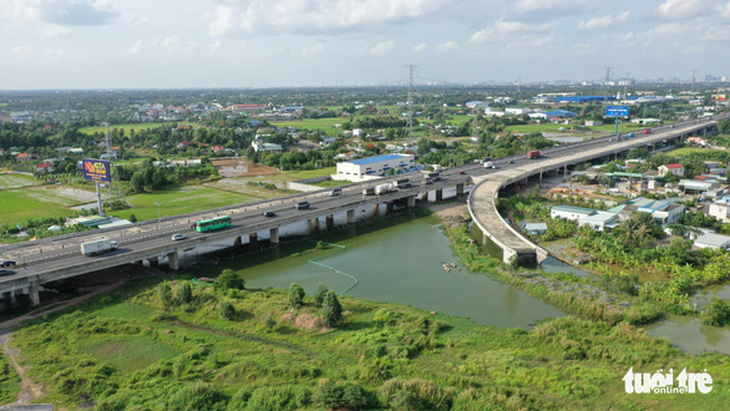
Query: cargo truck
[368, 191]
[98, 246]
[403, 183]
[533, 154]
[384, 189]
[489, 164]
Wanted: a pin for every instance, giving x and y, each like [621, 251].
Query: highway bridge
[483, 199]
[57, 258]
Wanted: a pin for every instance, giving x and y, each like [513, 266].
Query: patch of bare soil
[452, 214]
[239, 167]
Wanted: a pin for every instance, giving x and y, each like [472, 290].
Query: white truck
[384, 189]
[98, 246]
[402, 183]
[488, 164]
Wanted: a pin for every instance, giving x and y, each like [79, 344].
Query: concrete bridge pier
[459, 190]
[154, 261]
[10, 297]
[237, 242]
[253, 239]
[173, 260]
[376, 209]
[439, 194]
[330, 222]
[411, 201]
[351, 217]
[314, 225]
[389, 208]
[35, 298]
[274, 235]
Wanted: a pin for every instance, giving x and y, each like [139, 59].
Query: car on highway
[5, 271]
[462, 172]
[302, 205]
[178, 237]
[7, 264]
[647, 131]
[269, 214]
[510, 161]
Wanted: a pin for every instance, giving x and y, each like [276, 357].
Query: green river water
[403, 263]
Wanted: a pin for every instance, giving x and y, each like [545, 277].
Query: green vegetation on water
[143, 347]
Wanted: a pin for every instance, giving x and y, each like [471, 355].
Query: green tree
[320, 294]
[229, 280]
[296, 295]
[270, 322]
[331, 309]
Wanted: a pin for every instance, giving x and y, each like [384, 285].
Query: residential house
[534, 228]
[720, 210]
[571, 212]
[600, 220]
[44, 168]
[675, 168]
[25, 157]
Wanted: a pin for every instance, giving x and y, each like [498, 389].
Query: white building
[488, 112]
[477, 104]
[713, 241]
[719, 210]
[571, 212]
[364, 168]
[517, 111]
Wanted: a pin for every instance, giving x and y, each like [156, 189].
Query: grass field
[135, 127]
[133, 350]
[178, 201]
[686, 151]
[13, 180]
[294, 175]
[325, 124]
[19, 205]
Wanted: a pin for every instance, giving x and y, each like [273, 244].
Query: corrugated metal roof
[376, 159]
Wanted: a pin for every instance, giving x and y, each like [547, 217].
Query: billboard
[97, 170]
[617, 111]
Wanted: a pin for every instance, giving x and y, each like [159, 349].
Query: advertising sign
[97, 170]
[617, 111]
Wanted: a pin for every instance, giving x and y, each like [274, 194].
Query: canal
[406, 263]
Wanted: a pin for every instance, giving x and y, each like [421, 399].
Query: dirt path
[30, 391]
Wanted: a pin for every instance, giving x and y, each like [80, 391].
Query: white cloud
[57, 31]
[21, 49]
[724, 10]
[312, 51]
[550, 6]
[317, 16]
[54, 52]
[448, 46]
[509, 31]
[61, 12]
[602, 23]
[385, 47]
[419, 48]
[684, 9]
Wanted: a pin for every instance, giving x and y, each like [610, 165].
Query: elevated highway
[483, 199]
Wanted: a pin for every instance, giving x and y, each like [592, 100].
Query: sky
[92, 44]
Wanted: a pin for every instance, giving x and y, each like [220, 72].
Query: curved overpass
[482, 200]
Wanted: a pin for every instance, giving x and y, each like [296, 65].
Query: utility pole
[409, 103]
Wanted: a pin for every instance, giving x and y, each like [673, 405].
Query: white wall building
[720, 210]
[713, 240]
[365, 168]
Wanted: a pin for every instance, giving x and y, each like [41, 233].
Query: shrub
[296, 295]
[320, 294]
[717, 313]
[279, 398]
[228, 311]
[331, 309]
[198, 396]
[331, 396]
[185, 293]
[230, 280]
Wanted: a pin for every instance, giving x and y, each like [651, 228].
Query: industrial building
[366, 168]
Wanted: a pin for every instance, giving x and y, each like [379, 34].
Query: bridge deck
[482, 199]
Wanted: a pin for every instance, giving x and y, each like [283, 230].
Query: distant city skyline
[98, 44]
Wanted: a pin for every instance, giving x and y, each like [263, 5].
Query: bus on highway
[213, 224]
